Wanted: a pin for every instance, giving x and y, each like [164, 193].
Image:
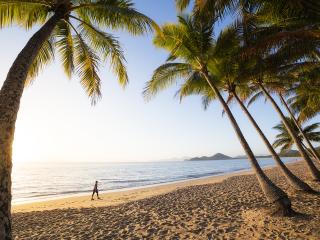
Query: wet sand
[221, 207]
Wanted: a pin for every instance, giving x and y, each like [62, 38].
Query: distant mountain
[217, 156]
[220, 156]
[290, 153]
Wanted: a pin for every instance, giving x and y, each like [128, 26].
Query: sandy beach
[220, 207]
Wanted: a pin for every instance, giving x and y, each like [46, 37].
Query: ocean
[43, 181]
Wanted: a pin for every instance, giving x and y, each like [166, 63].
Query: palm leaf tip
[147, 93]
[182, 4]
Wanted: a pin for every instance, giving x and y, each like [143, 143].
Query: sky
[56, 121]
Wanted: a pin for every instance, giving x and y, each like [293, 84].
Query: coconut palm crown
[79, 37]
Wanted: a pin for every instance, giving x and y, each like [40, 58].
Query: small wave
[130, 181]
[204, 174]
[239, 169]
[48, 194]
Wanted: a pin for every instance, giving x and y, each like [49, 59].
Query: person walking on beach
[95, 190]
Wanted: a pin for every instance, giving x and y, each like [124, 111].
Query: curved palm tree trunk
[10, 95]
[312, 149]
[312, 168]
[279, 199]
[292, 179]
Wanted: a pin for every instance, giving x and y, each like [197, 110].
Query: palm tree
[288, 34]
[283, 33]
[232, 79]
[192, 54]
[284, 140]
[264, 31]
[74, 29]
[291, 27]
[276, 59]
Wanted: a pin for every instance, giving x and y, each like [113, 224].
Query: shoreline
[102, 192]
[119, 196]
[230, 206]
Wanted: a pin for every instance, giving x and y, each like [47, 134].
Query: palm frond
[116, 14]
[182, 4]
[164, 76]
[206, 100]
[194, 84]
[311, 128]
[228, 101]
[44, 57]
[65, 47]
[87, 65]
[108, 47]
[24, 13]
[255, 97]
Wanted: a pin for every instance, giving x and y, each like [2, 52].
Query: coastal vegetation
[270, 50]
[194, 55]
[264, 52]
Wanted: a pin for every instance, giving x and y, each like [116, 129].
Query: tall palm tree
[232, 79]
[192, 54]
[74, 29]
[288, 35]
[257, 25]
[270, 30]
[277, 58]
[285, 33]
[284, 140]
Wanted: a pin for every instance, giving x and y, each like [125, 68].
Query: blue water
[40, 181]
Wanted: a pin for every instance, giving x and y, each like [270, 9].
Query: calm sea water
[40, 181]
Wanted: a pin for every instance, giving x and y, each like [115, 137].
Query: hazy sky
[56, 121]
